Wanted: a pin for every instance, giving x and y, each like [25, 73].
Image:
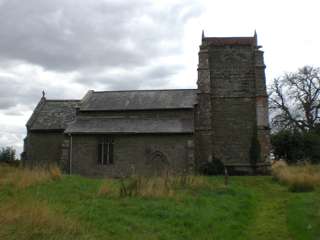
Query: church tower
[231, 122]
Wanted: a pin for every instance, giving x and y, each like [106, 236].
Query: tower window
[105, 151]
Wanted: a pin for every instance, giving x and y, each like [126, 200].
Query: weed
[106, 189]
[55, 172]
[165, 186]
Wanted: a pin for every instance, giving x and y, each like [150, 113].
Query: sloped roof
[138, 100]
[127, 125]
[52, 114]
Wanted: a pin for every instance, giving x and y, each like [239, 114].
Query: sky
[66, 47]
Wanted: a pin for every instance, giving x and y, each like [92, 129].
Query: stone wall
[232, 107]
[233, 103]
[263, 129]
[133, 154]
[233, 129]
[203, 112]
[43, 148]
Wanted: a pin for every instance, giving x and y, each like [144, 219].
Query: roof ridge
[79, 117]
[147, 90]
[63, 100]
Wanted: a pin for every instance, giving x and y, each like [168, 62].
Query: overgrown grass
[27, 217]
[35, 220]
[299, 178]
[166, 186]
[74, 207]
[23, 177]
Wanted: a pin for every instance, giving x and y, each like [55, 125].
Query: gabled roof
[52, 114]
[86, 125]
[138, 100]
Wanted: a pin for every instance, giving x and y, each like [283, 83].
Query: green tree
[288, 145]
[295, 109]
[7, 154]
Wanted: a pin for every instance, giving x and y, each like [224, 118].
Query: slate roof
[138, 100]
[221, 41]
[127, 125]
[52, 114]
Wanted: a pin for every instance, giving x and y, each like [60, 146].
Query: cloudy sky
[67, 47]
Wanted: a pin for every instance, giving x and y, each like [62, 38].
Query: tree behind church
[295, 106]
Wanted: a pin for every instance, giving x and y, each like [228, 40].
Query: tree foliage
[295, 107]
[7, 154]
[295, 146]
[287, 145]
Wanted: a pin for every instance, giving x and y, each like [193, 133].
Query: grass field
[73, 207]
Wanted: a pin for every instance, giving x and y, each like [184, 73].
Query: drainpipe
[70, 156]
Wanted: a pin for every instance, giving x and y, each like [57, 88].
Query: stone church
[113, 133]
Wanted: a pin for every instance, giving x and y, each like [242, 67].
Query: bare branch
[295, 99]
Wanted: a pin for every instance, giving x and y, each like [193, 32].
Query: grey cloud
[147, 77]
[66, 35]
[8, 93]
[12, 136]
[14, 91]
[88, 38]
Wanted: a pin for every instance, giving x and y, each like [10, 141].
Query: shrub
[312, 146]
[215, 167]
[294, 146]
[288, 145]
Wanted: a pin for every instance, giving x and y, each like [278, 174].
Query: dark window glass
[105, 151]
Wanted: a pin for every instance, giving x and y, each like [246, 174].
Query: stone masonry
[114, 133]
[232, 105]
